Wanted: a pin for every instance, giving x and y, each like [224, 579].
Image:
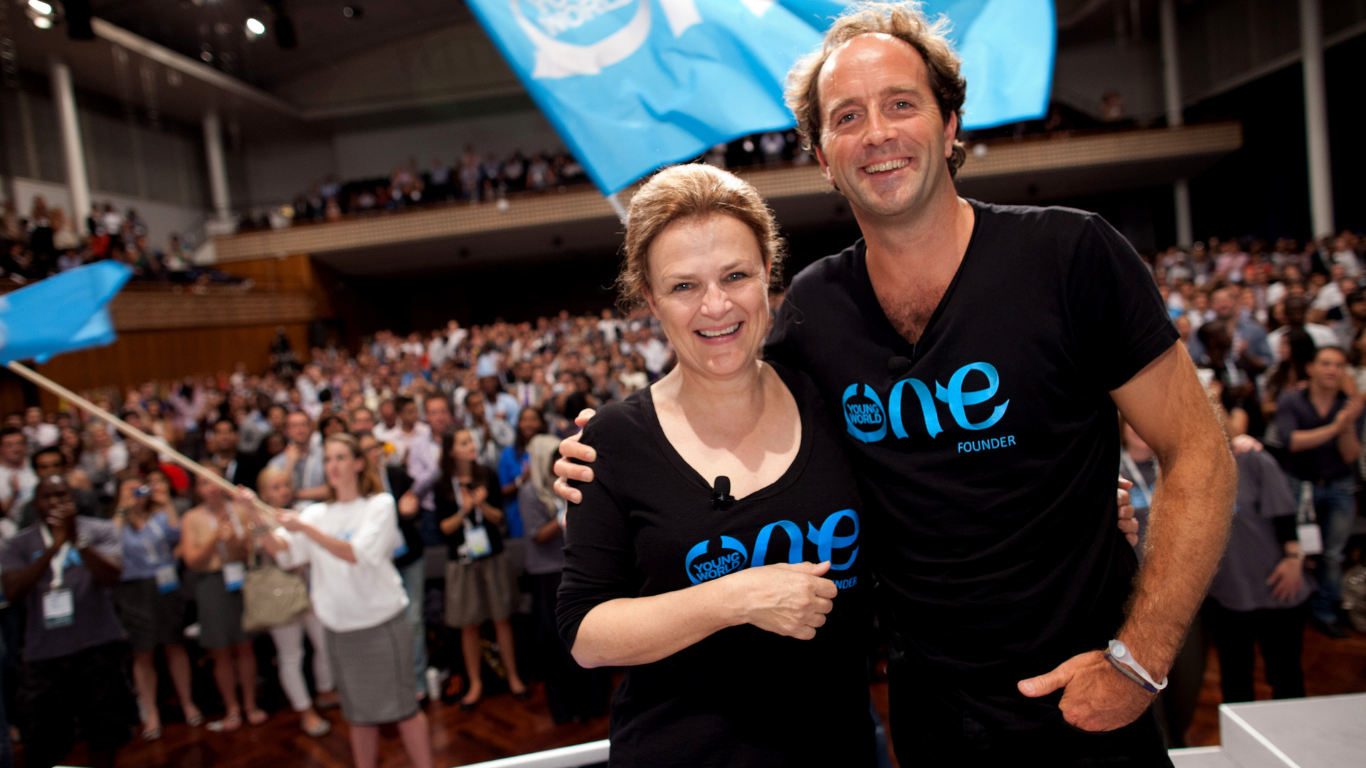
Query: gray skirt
[373, 670]
[220, 612]
[151, 617]
[479, 591]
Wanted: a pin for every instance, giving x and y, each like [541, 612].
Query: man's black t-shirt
[744, 696]
[986, 452]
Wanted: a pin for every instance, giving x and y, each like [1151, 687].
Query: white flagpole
[158, 445]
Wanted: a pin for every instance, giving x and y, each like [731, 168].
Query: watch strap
[1118, 654]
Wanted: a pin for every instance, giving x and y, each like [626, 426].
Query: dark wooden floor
[503, 727]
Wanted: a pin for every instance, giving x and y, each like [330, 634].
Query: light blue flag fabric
[60, 314]
[633, 85]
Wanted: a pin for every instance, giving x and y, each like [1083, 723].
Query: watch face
[1118, 649]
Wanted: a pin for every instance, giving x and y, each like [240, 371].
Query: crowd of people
[478, 178]
[475, 177]
[45, 242]
[1278, 334]
[461, 426]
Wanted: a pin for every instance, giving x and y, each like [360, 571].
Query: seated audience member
[214, 538]
[478, 587]
[1321, 427]
[61, 569]
[49, 462]
[150, 601]
[273, 485]
[573, 693]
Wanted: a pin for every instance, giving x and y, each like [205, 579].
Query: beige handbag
[271, 596]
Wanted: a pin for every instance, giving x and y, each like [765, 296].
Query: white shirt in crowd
[1349, 262]
[27, 481]
[1322, 335]
[608, 327]
[42, 435]
[351, 596]
[656, 354]
[1329, 296]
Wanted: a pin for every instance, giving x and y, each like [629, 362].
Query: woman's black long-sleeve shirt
[743, 696]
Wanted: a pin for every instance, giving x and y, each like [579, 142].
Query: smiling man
[976, 356]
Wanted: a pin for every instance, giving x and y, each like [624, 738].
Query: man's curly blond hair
[905, 21]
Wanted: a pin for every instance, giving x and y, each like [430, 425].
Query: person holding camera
[150, 601]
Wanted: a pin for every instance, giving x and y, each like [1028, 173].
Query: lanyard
[153, 556]
[58, 561]
[1131, 467]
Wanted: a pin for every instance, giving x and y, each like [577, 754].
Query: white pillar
[1171, 88]
[218, 170]
[77, 182]
[1316, 118]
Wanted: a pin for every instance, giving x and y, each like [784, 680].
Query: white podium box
[1319, 732]
[1201, 757]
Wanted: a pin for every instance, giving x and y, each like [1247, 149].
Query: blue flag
[60, 314]
[634, 85]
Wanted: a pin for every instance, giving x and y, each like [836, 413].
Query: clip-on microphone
[720, 494]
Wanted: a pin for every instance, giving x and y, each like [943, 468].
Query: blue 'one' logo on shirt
[864, 414]
[704, 563]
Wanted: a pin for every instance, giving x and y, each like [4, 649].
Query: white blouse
[351, 596]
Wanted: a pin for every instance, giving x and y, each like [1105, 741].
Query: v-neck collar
[916, 350]
[689, 472]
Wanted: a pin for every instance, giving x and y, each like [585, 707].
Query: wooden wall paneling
[167, 355]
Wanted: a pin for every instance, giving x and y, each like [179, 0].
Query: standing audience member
[513, 470]
[478, 588]
[302, 458]
[50, 461]
[17, 479]
[62, 569]
[150, 601]
[214, 537]
[409, 555]
[273, 485]
[1258, 594]
[1321, 427]
[573, 693]
[349, 541]
[103, 460]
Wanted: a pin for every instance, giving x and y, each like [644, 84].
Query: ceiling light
[40, 7]
[353, 11]
[255, 27]
[42, 22]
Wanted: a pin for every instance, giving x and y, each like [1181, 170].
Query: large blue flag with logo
[633, 85]
[60, 314]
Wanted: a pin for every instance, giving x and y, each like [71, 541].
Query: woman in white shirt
[358, 596]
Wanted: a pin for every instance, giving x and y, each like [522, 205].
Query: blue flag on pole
[60, 314]
[633, 85]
